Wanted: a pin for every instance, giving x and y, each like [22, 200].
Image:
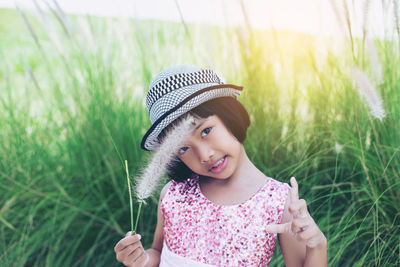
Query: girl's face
[210, 142]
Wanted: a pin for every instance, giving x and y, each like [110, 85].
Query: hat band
[184, 101]
[180, 80]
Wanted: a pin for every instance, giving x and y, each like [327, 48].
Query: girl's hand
[130, 251]
[302, 226]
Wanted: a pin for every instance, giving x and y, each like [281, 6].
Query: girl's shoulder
[282, 186]
[182, 186]
[165, 189]
[277, 190]
[279, 184]
[270, 183]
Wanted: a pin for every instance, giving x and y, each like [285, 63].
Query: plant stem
[137, 217]
[130, 196]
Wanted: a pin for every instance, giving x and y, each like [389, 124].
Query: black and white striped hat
[176, 90]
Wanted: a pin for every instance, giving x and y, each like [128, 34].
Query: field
[72, 94]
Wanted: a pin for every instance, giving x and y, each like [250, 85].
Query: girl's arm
[155, 251]
[307, 247]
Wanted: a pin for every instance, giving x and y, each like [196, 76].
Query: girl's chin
[218, 176]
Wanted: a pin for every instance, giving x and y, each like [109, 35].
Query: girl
[219, 209]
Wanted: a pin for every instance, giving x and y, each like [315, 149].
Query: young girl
[218, 209]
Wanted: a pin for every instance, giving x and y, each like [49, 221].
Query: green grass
[72, 110]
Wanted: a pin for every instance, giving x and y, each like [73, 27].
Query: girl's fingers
[294, 190]
[300, 224]
[134, 256]
[298, 208]
[279, 228]
[310, 232]
[143, 259]
[123, 255]
[126, 241]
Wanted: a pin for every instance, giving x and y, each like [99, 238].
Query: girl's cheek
[188, 160]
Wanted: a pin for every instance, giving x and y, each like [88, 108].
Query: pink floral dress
[198, 232]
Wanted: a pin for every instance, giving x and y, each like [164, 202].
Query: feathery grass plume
[338, 148]
[367, 140]
[369, 94]
[162, 159]
[374, 63]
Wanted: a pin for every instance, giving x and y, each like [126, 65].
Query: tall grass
[72, 103]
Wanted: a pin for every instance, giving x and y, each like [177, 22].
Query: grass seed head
[369, 94]
[162, 158]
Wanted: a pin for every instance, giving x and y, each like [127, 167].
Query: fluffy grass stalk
[369, 94]
[161, 159]
[375, 63]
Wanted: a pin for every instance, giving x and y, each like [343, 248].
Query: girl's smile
[220, 165]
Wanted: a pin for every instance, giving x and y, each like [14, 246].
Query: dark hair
[231, 112]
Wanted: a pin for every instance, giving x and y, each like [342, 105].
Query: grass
[72, 105]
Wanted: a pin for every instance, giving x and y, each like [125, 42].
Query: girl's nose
[206, 154]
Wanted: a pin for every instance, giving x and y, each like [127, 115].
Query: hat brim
[150, 141]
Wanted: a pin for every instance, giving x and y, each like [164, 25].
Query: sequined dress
[200, 231]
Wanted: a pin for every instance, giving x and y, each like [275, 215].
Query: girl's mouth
[221, 166]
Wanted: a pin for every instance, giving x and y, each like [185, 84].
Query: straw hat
[176, 90]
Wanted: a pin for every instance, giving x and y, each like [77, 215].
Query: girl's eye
[205, 130]
[181, 150]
